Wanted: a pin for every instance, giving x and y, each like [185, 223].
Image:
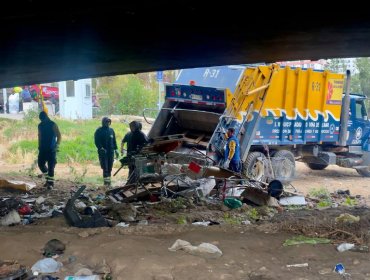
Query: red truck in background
[46, 91]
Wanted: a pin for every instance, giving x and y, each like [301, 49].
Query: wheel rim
[257, 171]
[285, 170]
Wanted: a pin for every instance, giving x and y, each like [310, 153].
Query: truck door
[359, 127]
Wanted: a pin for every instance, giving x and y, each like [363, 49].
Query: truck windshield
[361, 110]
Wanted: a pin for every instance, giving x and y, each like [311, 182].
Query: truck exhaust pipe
[345, 112]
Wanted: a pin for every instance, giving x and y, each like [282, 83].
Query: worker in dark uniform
[232, 152]
[105, 142]
[136, 140]
[49, 141]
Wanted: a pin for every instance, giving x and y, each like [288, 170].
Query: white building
[75, 99]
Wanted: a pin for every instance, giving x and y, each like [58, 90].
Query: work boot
[107, 182]
[49, 182]
[49, 185]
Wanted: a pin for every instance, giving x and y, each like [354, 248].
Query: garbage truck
[280, 115]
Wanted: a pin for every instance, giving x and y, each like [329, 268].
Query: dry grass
[325, 226]
[19, 156]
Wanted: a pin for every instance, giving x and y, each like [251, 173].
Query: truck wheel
[364, 172]
[284, 165]
[254, 167]
[316, 166]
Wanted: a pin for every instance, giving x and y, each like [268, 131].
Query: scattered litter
[80, 205]
[47, 265]
[124, 212]
[296, 240]
[91, 277]
[293, 200]
[257, 196]
[203, 250]
[297, 265]
[232, 203]
[143, 223]
[122, 224]
[54, 247]
[246, 222]
[339, 268]
[40, 200]
[25, 210]
[205, 224]
[16, 185]
[12, 218]
[9, 204]
[233, 189]
[342, 192]
[84, 272]
[345, 247]
[360, 249]
[206, 185]
[12, 270]
[49, 277]
[91, 219]
[346, 218]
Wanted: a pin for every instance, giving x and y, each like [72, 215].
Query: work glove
[226, 164]
[116, 153]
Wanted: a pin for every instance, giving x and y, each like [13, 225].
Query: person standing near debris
[105, 142]
[49, 140]
[136, 140]
[232, 152]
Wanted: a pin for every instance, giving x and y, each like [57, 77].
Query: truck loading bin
[281, 113]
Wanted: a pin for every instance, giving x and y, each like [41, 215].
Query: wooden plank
[199, 138]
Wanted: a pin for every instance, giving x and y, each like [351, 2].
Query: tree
[363, 66]
[125, 94]
[336, 65]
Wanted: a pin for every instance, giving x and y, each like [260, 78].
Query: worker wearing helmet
[49, 141]
[232, 152]
[105, 142]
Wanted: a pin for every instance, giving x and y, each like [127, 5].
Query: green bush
[77, 139]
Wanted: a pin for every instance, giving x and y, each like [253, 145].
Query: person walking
[105, 142]
[49, 139]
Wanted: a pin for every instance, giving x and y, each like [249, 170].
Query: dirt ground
[332, 178]
[141, 252]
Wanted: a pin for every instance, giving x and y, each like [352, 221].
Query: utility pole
[4, 99]
[159, 80]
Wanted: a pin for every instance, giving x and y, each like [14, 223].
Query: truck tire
[316, 166]
[254, 167]
[284, 165]
[364, 172]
